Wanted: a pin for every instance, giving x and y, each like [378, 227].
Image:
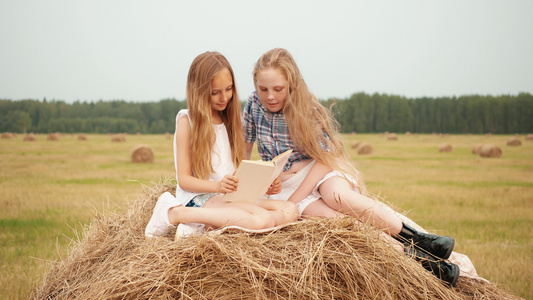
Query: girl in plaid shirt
[283, 114]
[208, 144]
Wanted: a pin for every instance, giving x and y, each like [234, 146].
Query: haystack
[52, 137]
[392, 136]
[313, 259]
[82, 137]
[355, 144]
[529, 136]
[490, 150]
[514, 141]
[445, 148]
[364, 148]
[142, 154]
[29, 138]
[168, 135]
[7, 135]
[477, 148]
[118, 138]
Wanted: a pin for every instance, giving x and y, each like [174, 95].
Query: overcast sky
[141, 50]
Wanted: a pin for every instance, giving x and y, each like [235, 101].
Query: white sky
[141, 50]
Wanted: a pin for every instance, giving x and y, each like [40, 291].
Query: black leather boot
[445, 271]
[439, 246]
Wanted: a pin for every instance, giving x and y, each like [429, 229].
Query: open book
[255, 177]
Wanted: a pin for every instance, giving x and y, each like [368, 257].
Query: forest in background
[361, 112]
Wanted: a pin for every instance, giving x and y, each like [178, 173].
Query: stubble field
[51, 190]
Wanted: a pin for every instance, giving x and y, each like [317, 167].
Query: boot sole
[456, 272]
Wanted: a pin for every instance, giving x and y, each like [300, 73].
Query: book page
[255, 177]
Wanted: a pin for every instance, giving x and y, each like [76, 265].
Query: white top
[221, 158]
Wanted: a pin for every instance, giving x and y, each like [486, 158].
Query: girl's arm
[186, 180]
[317, 172]
[249, 147]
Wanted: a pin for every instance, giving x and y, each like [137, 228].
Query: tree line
[361, 112]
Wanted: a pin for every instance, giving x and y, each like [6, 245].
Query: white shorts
[288, 187]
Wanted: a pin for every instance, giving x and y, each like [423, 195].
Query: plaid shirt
[270, 130]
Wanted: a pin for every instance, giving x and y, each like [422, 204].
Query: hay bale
[312, 259]
[29, 138]
[7, 135]
[529, 136]
[82, 137]
[490, 150]
[364, 148]
[392, 137]
[168, 136]
[355, 144]
[142, 154]
[514, 141]
[445, 148]
[477, 148]
[52, 137]
[118, 138]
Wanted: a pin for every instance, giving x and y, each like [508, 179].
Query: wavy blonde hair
[202, 71]
[303, 112]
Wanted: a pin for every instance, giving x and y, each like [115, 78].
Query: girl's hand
[275, 187]
[228, 184]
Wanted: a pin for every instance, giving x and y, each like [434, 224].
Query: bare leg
[282, 211]
[218, 214]
[339, 195]
[320, 209]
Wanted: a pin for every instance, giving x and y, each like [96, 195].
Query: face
[221, 91]
[272, 88]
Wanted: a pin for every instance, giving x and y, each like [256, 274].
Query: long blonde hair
[303, 112]
[202, 71]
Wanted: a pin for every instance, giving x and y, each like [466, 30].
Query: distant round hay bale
[118, 138]
[529, 136]
[364, 148]
[168, 135]
[7, 135]
[392, 137]
[29, 138]
[319, 258]
[142, 154]
[82, 137]
[445, 148]
[355, 144]
[514, 141]
[52, 137]
[477, 148]
[490, 150]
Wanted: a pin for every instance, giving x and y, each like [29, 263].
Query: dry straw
[355, 144]
[29, 138]
[476, 149]
[118, 138]
[364, 148]
[142, 154]
[7, 135]
[82, 137]
[445, 148]
[529, 136]
[392, 137]
[313, 259]
[490, 150]
[514, 141]
[52, 137]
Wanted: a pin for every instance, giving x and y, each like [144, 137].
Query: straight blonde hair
[201, 73]
[303, 112]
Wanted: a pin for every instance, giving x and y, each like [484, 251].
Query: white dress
[221, 158]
